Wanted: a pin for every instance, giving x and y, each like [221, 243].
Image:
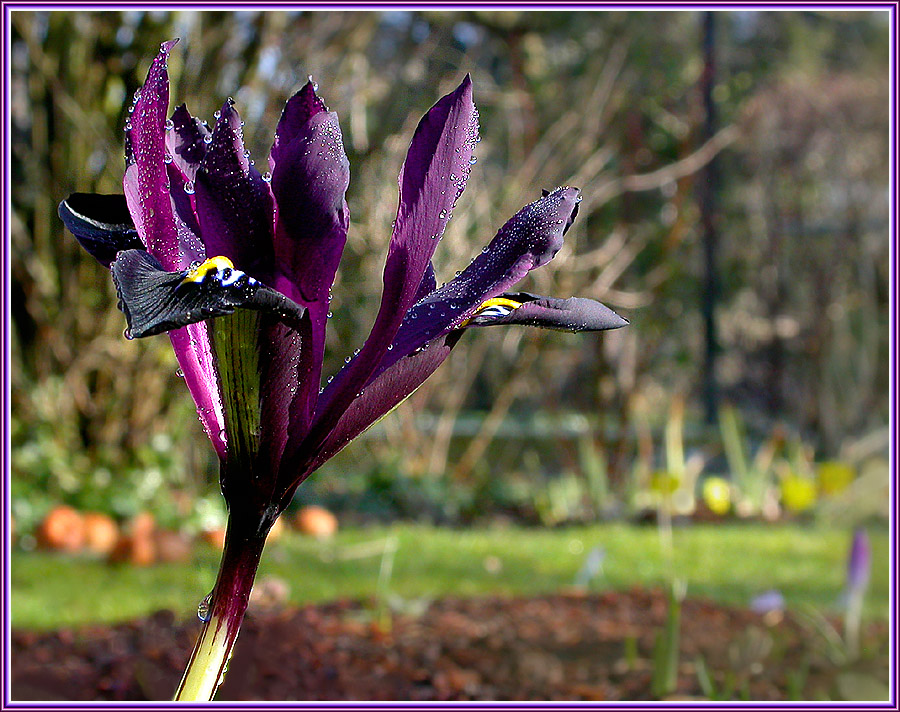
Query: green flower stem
[209, 661]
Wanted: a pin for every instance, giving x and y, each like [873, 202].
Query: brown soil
[561, 647]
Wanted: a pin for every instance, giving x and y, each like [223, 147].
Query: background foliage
[529, 423]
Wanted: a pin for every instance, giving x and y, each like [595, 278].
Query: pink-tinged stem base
[206, 668]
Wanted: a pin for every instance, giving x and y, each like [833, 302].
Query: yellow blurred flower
[834, 477]
[717, 495]
[664, 482]
[798, 493]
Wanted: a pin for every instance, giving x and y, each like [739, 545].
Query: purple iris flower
[237, 266]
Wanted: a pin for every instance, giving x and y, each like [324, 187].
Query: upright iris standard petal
[146, 183]
[309, 179]
[433, 177]
[232, 201]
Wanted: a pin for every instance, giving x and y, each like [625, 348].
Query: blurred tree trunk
[708, 185]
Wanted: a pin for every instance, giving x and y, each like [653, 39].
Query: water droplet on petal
[167, 157]
[443, 214]
[329, 315]
[347, 359]
[170, 124]
[473, 160]
[391, 347]
[127, 334]
[179, 373]
[207, 138]
[189, 188]
[267, 176]
[217, 114]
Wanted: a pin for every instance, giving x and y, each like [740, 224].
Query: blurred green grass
[727, 563]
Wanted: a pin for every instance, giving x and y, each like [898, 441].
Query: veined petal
[146, 184]
[155, 300]
[232, 202]
[572, 314]
[101, 223]
[432, 179]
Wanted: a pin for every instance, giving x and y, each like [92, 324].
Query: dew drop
[267, 176]
[127, 334]
[329, 315]
[453, 176]
[330, 379]
[179, 373]
[207, 138]
[167, 157]
[189, 188]
[170, 124]
[443, 214]
[473, 160]
[204, 609]
[347, 359]
[217, 114]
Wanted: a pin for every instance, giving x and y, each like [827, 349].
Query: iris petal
[154, 300]
[101, 223]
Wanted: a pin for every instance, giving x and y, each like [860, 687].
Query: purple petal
[194, 354]
[530, 239]
[185, 142]
[310, 175]
[233, 203]
[573, 314]
[859, 562]
[146, 185]
[384, 393]
[101, 224]
[433, 177]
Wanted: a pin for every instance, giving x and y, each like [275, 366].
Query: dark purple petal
[310, 175]
[233, 203]
[573, 314]
[530, 239]
[186, 141]
[155, 300]
[432, 178]
[383, 394]
[101, 223]
[186, 225]
[146, 184]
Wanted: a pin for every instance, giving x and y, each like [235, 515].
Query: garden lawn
[727, 563]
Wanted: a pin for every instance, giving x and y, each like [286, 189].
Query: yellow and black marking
[492, 309]
[218, 268]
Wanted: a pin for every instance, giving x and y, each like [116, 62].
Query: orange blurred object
[316, 521]
[214, 537]
[62, 530]
[100, 533]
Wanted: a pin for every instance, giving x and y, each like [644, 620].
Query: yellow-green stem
[206, 668]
